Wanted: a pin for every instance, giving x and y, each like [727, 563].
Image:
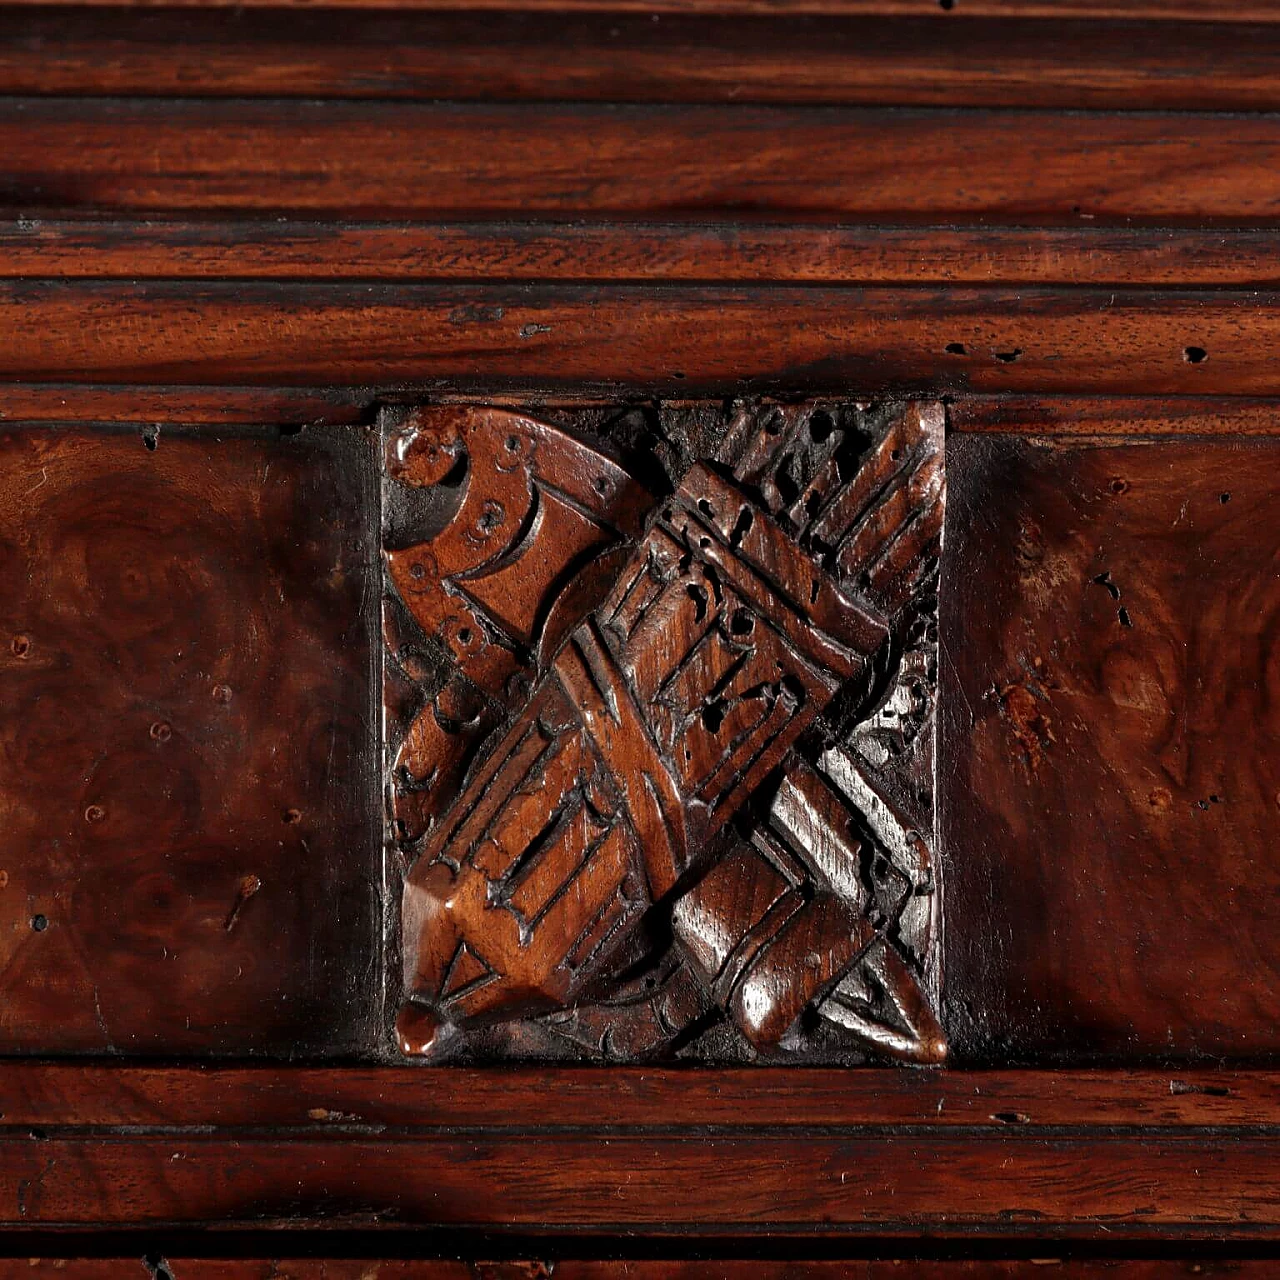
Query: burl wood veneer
[188, 821]
[1110, 749]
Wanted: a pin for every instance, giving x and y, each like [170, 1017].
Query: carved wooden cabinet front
[639, 636]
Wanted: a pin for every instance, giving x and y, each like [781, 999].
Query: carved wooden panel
[662, 747]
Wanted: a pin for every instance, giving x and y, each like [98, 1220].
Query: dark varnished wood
[737, 253]
[1227, 10]
[1110, 788]
[557, 161]
[219, 406]
[286, 214]
[648, 340]
[188, 847]
[335, 1100]
[588, 861]
[908, 59]
[1138, 416]
[1193, 1186]
[1022, 1154]
[574, 1268]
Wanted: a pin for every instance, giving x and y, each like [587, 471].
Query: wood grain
[34, 403]
[401, 160]
[1137, 416]
[46, 1096]
[1225, 11]
[952, 1184]
[487, 336]
[620, 56]
[574, 1268]
[669, 1268]
[744, 253]
[1110, 788]
[188, 834]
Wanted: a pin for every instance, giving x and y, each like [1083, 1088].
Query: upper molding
[918, 55]
[942, 10]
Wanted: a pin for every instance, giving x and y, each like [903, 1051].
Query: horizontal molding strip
[629, 252]
[50, 1095]
[37, 404]
[726, 1260]
[1134, 416]
[909, 59]
[196, 406]
[1227, 10]
[458, 161]
[1094, 1155]
[591, 337]
[1099, 1186]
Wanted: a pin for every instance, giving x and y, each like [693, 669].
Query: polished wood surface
[837, 1153]
[187, 839]
[643, 341]
[1109, 670]
[573, 1268]
[261, 238]
[587, 870]
[619, 252]
[559, 161]
[907, 59]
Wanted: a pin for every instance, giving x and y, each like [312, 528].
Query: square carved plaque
[660, 703]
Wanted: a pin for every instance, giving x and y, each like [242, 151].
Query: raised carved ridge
[666, 786]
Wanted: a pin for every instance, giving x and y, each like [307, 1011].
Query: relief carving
[667, 784]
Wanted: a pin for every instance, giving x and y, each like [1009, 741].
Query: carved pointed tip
[419, 1032]
[930, 1048]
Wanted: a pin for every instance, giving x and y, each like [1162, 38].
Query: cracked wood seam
[666, 785]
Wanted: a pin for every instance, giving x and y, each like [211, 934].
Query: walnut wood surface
[574, 1268]
[739, 253]
[481, 337]
[560, 161]
[1227, 10]
[1195, 1186]
[187, 839]
[907, 59]
[43, 1096]
[268, 215]
[587, 870]
[1109, 776]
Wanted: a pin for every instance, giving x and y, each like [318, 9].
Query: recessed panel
[189, 840]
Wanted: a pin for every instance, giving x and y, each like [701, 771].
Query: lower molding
[1093, 1156]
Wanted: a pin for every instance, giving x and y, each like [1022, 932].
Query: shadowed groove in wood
[256, 249]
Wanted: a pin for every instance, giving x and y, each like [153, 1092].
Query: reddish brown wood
[478, 336]
[189, 845]
[746, 607]
[631, 1269]
[282, 407]
[1139, 417]
[1227, 10]
[815, 1184]
[46, 1096]
[1110, 752]
[620, 252]
[361, 160]
[907, 59]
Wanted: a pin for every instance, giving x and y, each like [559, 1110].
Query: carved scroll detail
[711, 800]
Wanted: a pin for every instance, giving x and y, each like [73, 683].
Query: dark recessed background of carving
[799, 921]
